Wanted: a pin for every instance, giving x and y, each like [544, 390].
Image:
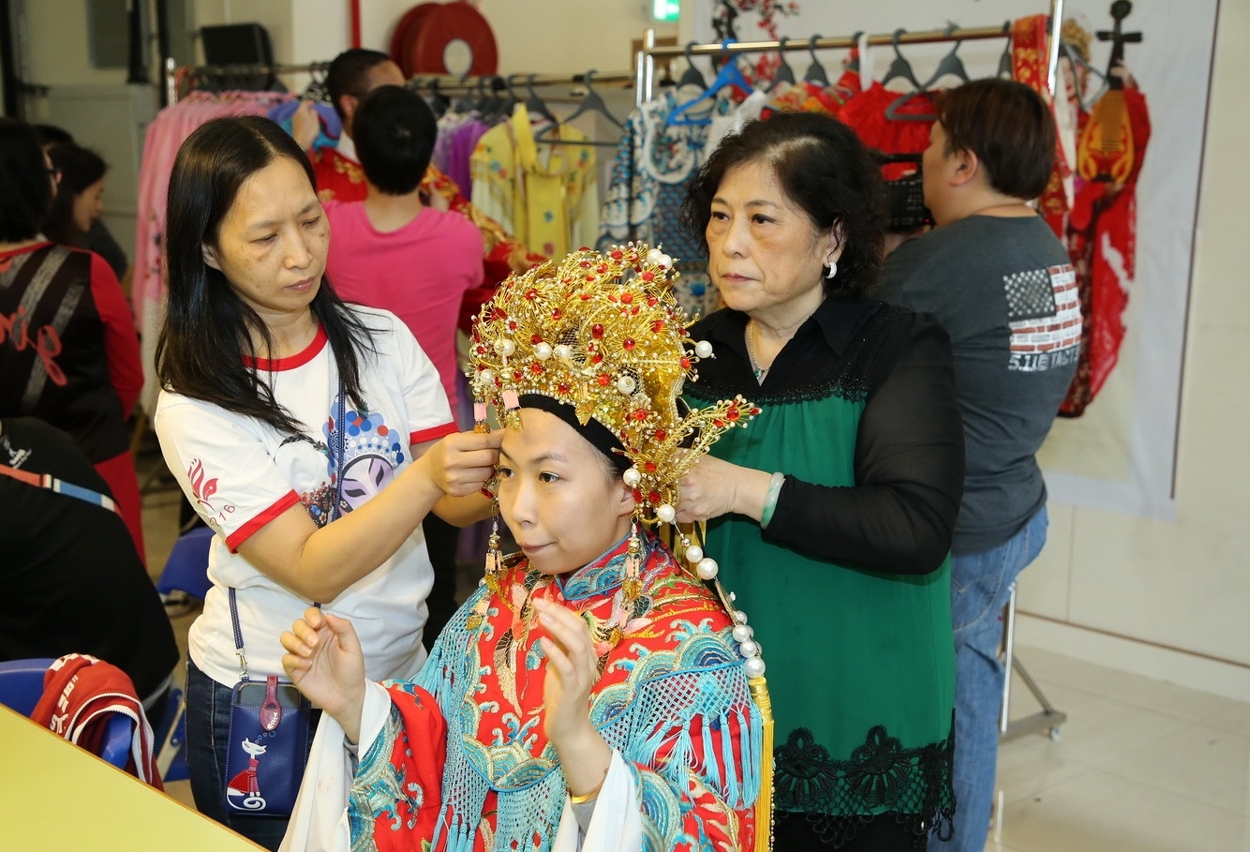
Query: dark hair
[824, 169]
[1010, 129]
[80, 168]
[25, 186]
[50, 134]
[349, 72]
[394, 131]
[205, 337]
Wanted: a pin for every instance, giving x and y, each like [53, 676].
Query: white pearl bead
[749, 649]
[707, 568]
[703, 349]
[666, 513]
[563, 350]
[507, 347]
[626, 385]
[754, 667]
[486, 377]
[693, 554]
[740, 616]
[632, 477]
[542, 351]
[742, 632]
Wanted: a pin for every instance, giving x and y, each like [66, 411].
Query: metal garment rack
[646, 55]
[1048, 719]
[446, 82]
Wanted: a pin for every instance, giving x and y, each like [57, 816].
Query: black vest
[53, 363]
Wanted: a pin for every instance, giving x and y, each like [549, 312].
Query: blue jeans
[980, 586]
[208, 729]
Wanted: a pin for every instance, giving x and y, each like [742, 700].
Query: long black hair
[208, 328]
[824, 169]
[80, 168]
[25, 185]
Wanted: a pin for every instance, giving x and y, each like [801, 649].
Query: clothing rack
[1048, 718]
[650, 50]
[453, 82]
[174, 72]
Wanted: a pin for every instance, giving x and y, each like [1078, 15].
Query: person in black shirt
[832, 512]
[72, 579]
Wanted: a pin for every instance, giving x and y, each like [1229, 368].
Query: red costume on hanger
[1099, 227]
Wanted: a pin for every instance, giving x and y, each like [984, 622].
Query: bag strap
[60, 486]
[341, 412]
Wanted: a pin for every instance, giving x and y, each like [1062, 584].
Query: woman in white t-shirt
[311, 436]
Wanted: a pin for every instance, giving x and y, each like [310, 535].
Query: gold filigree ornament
[603, 333]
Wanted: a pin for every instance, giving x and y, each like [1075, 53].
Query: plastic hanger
[534, 104]
[591, 102]
[729, 75]
[438, 101]
[950, 64]
[691, 76]
[854, 65]
[1076, 60]
[1004, 61]
[785, 74]
[900, 68]
[316, 89]
[815, 73]
[465, 102]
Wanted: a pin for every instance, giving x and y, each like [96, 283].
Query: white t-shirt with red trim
[240, 473]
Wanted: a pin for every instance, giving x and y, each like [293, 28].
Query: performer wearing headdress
[593, 693]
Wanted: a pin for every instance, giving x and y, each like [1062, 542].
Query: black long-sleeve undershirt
[909, 461]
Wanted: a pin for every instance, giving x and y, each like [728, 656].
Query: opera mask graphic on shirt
[372, 452]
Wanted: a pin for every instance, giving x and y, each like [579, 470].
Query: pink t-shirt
[419, 272]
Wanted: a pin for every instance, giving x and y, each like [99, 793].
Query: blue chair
[21, 684]
[21, 687]
[186, 569]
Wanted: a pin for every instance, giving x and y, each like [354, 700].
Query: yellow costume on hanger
[542, 192]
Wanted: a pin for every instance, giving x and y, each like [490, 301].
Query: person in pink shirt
[393, 251]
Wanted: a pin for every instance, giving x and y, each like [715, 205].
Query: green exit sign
[666, 10]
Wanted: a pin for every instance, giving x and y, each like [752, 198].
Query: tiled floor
[1139, 765]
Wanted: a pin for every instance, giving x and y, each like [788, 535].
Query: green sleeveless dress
[860, 663]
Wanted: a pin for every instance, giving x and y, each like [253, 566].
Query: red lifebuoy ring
[405, 31]
[445, 23]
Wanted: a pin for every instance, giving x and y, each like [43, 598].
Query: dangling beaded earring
[494, 556]
[631, 583]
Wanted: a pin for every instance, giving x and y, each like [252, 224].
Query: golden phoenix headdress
[603, 333]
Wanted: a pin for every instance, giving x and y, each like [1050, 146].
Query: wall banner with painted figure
[1135, 78]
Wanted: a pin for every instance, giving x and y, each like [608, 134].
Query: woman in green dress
[833, 512]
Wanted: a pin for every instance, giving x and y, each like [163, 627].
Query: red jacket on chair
[80, 695]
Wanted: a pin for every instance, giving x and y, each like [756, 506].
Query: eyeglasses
[55, 174]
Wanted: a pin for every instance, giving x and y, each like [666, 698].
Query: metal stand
[1049, 719]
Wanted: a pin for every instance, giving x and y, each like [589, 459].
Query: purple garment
[463, 141]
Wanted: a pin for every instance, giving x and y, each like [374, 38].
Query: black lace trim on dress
[821, 374]
[838, 797]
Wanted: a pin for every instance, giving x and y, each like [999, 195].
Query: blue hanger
[729, 75]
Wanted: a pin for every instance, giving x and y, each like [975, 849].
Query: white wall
[544, 36]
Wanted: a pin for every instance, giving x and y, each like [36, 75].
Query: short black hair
[394, 131]
[80, 168]
[25, 187]
[824, 169]
[349, 72]
[1010, 129]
